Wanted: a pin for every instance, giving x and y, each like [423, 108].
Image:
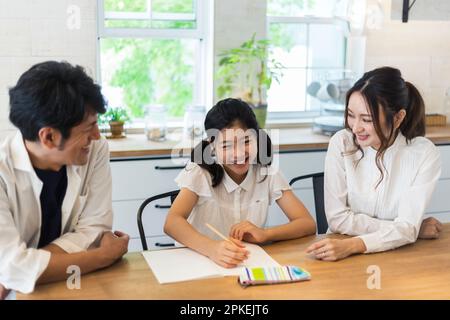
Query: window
[310, 42]
[151, 53]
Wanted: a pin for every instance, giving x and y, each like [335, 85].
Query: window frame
[308, 115]
[201, 33]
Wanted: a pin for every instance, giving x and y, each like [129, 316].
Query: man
[55, 182]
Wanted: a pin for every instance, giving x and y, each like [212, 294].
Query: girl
[229, 184]
[380, 172]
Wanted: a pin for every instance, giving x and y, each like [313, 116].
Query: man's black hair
[53, 94]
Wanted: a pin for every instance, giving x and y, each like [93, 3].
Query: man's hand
[3, 292]
[430, 228]
[113, 246]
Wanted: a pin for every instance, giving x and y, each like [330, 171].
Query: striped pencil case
[272, 275]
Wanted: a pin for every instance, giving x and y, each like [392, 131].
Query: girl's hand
[248, 232]
[228, 254]
[430, 228]
[336, 249]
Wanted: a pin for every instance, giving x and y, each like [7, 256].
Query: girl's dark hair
[223, 115]
[385, 88]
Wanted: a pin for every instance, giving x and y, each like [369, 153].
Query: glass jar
[194, 118]
[155, 122]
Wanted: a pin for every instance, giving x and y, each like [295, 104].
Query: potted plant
[116, 118]
[246, 72]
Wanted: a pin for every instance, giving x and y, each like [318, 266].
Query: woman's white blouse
[387, 216]
[229, 203]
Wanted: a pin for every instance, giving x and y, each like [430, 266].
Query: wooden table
[419, 271]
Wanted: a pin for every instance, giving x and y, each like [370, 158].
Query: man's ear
[399, 117]
[49, 137]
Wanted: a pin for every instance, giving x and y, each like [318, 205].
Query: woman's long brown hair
[385, 89]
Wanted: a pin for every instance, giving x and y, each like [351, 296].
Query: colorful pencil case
[272, 275]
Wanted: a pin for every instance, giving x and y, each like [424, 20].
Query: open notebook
[183, 264]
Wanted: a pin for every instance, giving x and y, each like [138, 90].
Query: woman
[380, 171]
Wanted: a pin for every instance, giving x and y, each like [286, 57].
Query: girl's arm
[301, 223]
[177, 226]
[224, 253]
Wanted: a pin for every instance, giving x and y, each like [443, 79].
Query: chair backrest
[319, 200]
[172, 195]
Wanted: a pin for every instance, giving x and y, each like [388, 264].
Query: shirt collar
[21, 158]
[231, 186]
[399, 142]
[19, 154]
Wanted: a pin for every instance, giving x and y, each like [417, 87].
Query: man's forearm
[56, 270]
[53, 248]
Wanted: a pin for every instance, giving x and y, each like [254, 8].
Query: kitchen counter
[286, 139]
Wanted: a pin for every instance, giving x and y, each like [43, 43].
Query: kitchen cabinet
[134, 180]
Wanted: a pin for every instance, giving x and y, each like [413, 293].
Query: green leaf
[246, 70]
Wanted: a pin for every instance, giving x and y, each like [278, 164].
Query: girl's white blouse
[230, 203]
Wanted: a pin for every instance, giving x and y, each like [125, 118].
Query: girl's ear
[399, 117]
[210, 142]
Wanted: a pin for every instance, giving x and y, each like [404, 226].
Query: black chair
[321, 218]
[172, 195]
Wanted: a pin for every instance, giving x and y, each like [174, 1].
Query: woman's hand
[228, 254]
[248, 232]
[430, 228]
[336, 249]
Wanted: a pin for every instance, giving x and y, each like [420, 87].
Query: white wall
[32, 31]
[235, 21]
[420, 49]
[36, 30]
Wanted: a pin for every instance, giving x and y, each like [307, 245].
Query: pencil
[219, 233]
